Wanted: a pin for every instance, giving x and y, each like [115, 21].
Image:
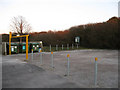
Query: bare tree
[20, 26]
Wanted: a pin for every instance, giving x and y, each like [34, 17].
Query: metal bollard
[68, 65]
[50, 48]
[95, 78]
[62, 46]
[52, 64]
[32, 54]
[41, 57]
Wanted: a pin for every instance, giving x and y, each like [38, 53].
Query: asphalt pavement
[20, 74]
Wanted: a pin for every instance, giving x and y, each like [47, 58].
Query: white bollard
[62, 46]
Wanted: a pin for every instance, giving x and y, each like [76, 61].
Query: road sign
[77, 39]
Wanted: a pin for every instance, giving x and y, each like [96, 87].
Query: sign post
[77, 46]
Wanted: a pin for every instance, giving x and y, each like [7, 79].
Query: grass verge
[47, 48]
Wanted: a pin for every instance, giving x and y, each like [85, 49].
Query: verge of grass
[47, 48]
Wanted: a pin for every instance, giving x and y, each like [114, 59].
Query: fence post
[50, 48]
[62, 46]
[56, 47]
[52, 64]
[41, 57]
[95, 78]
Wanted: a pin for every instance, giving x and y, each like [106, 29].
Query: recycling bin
[35, 46]
[14, 48]
[22, 47]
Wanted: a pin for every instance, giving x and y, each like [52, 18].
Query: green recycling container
[22, 47]
[14, 48]
[35, 46]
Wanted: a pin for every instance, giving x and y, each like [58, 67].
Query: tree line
[103, 35]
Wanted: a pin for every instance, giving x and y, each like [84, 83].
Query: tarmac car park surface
[17, 73]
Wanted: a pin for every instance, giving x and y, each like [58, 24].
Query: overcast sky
[119, 9]
[56, 15]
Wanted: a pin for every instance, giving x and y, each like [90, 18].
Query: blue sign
[23, 47]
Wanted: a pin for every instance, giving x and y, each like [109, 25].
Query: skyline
[45, 15]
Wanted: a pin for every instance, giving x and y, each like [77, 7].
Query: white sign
[40, 42]
[12, 48]
[77, 39]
